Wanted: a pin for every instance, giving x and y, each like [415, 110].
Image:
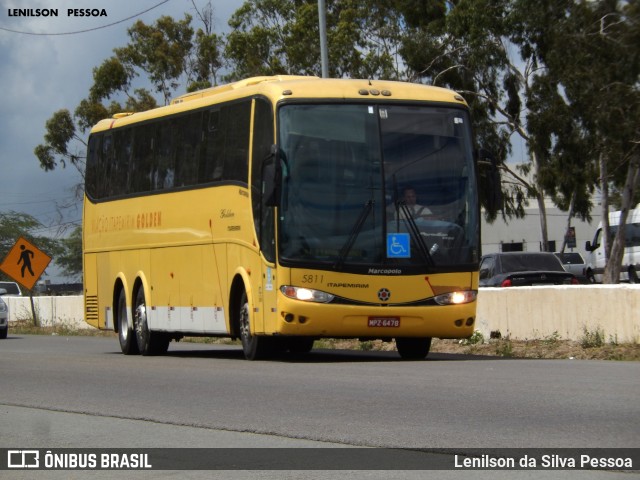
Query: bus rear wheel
[413, 348]
[254, 347]
[149, 342]
[126, 336]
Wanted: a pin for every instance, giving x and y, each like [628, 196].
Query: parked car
[4, 315]
[11, 289]
[574, 263]
[517, 269]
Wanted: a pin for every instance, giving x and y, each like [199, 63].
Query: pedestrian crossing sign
[25, 263]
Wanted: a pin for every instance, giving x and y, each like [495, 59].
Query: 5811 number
[312, 278]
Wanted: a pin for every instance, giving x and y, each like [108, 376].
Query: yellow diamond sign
[25, 263]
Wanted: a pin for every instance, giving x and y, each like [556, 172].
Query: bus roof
[280, 87]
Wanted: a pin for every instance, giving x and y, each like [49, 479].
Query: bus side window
[237, 118]
[263, 215]
[107, 161]
[122, 162]
[94, 164]
[142, 163]
[188, 139]
[163, 176]
[212, 166]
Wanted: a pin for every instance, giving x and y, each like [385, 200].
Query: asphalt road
[66, 392]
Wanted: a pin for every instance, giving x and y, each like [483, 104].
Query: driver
[410, 200]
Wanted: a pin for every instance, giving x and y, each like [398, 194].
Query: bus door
[268, 291]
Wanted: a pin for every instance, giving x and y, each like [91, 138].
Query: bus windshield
[387, 186]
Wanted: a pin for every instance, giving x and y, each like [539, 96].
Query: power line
[89, 29]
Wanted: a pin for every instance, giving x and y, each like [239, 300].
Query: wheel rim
[245, 329]
[123, 329]
[140, 322]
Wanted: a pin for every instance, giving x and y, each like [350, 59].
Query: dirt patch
[591, 347]
[552, 348]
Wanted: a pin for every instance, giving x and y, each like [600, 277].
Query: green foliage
[504, 348]
[70, 257]
[552, 340]
[60, 130]
[592, 339]
[272, 37]
[160, 51]
[476, 338]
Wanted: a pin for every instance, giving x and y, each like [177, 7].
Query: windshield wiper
[346, 248]
[414, 231]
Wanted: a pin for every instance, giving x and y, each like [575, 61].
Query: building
[524, 234]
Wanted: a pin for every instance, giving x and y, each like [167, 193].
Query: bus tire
[149, 342]
[633, 275]
[591, 278]
[126, 335]
[254, 347]
[413, 348]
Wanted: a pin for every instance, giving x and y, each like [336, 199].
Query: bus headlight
[456, 298]
[306, 294]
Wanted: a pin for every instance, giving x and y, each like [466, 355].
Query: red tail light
[574, 281]
[506, 283]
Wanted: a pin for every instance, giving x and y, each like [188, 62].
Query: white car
[4, 315]
[11, 289]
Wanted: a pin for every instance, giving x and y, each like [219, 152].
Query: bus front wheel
[413, 348]
[254, 347]
[149, 342]
[126, 335]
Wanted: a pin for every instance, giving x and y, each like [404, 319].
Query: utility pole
[324, 55]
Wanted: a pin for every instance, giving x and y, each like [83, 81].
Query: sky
[41, 74]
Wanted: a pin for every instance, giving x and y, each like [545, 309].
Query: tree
[70, 256]
[208, 58]
[591, 52]
[60, 132]
[464, 45]
[272, 37]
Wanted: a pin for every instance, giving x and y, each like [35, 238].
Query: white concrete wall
[50, 311]
[520, 313]
[541, 312]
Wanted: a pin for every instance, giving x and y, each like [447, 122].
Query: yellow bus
[281, 210]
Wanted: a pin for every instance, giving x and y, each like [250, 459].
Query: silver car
[4, 315]
[574, 263]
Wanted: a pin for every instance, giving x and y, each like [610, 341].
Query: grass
[592, 345]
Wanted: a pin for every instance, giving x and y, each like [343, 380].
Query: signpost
[570, 237]
[25, 263]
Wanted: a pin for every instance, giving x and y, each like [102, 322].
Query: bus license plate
[387, 322]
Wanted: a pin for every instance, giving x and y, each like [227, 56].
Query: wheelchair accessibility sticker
[398, 245]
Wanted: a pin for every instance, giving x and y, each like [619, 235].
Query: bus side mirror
[486, 158]
[588, 247]
[271, 178]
